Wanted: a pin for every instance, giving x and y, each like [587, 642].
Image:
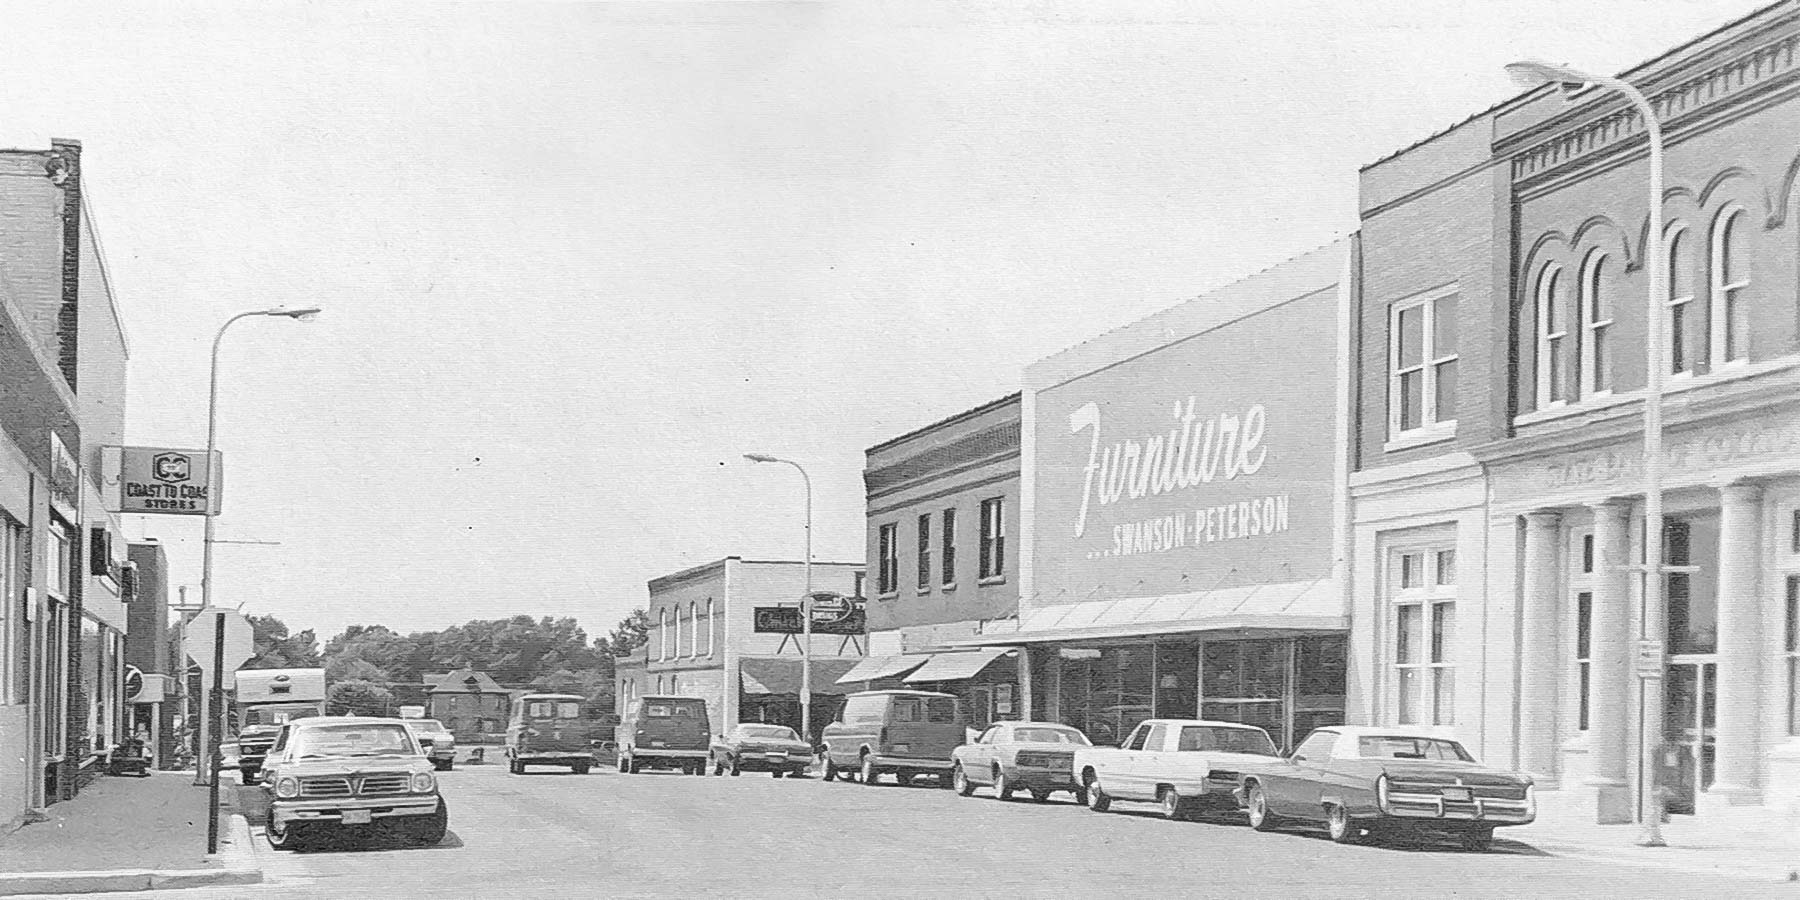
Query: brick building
[150, 648]
[1498, 497]
[467, 702]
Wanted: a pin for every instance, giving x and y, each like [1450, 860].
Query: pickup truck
[1183, 765]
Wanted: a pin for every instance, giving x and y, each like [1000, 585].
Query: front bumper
[286, 812]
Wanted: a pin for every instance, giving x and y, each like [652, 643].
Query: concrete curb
[235, 851]
[1769, 873]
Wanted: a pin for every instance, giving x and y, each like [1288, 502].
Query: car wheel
[736, 770]
[1479, 839]
[515, 767]
[1081, 795]
[831, 772]
[1003, 789]
[431, 829]
[869, 775]
[1258, 802]
[1172, 807]
[447, 766]
[777, 772]
[580, 768]
[247, 776]
[633, 766]
[718, 766]
[1096, 798]
[1338, 823]
[960, 780]
[1041, 796]
[291, 837]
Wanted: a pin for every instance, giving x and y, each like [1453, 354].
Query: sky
[576, 259]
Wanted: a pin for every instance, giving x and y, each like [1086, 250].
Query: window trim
[926, 574]
[710, 632]
[947, 536]
[992, 544]
[1551, 391]
[1672, 235]
[662, 633]
[1430, 428]
[887, 559]
[1720, 294]
[1594, 369]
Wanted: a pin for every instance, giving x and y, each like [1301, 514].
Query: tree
[276, 649]
[359, 698]
[632, 632]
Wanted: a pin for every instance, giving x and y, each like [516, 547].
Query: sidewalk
[1748, 849]
[122, 834]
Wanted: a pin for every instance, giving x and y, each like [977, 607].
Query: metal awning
[874, 668]
[956, 666]
[782, 676]
[1258, 610]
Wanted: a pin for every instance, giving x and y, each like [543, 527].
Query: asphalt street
[604, 834]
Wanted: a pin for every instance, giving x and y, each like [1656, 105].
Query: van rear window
[941, 710]
[671, 711]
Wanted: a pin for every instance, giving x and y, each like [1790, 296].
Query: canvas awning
[956, 666]
[875, 668]
[1261, 610]
[782, 676]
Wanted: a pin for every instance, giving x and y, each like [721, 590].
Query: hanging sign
[167, 481]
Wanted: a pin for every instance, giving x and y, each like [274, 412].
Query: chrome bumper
[332, 809]
[1478, 809]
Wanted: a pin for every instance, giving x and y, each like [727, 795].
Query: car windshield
[771, 732]
[1049, 736]
[373, 739]
[1226, 740]
[1404, 747]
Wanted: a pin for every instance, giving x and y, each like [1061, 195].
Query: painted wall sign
[1697, 454]
[166, 481]
[1207, 461]
[65, 479]
[786, 620]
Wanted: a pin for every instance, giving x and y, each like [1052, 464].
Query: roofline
[665, 581]
[965, 414]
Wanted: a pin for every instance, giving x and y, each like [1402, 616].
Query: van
[903, 733]
[665, 733]
[548, 730]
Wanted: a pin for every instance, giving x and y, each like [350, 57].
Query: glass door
[1689, 694]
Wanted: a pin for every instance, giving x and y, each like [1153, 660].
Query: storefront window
[1177, 678]
[93, 663]
[1106, 692]
[56, 638]
[1424, 629]
[1693, 596]
[1320, 677]
[1245, 681]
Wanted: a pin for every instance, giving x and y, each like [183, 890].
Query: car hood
[1427, 771]
[356, 765]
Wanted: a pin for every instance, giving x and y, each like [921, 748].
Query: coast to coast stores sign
[1207, 462]
[167, 481]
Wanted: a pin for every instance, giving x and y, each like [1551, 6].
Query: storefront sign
[65, 479]
[166, 481]
[1692, 455]
[1650, 660]
[1206, 461]
[786, 620]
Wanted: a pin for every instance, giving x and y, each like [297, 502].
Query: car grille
[363, 786]
[1039, 760]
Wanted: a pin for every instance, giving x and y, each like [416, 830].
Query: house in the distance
[469, 703]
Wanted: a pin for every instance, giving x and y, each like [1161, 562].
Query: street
[664, 835]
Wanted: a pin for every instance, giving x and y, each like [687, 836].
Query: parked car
[436, 741]
[1184, 765]
[1038, 757]
[548, 730]
[905, 733]
[761, 748]
[342, 774]
[1361, 780]
[665, 733]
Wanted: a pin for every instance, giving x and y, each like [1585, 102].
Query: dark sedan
[760, 748]
[1370, 780]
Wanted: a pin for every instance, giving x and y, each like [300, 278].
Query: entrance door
[981, 707]
[1689, 694]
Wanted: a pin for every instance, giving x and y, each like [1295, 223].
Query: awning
[956, 666]
[875, 668]
[782, 676]
[1262, 610]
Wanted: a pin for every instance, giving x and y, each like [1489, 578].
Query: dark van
[548, 730]
[665, 733]
[905, 733]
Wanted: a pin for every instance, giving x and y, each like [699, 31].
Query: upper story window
[711, 630]
[993, 538]
[947, 534]
[662, 633]
[1552, 337]
[1596, 323]
[677, 618]
[57, 578]
[693, 629]
[1422, 363]
[1681, 300]
[887, 572]
[1729, 337]
[924, 572]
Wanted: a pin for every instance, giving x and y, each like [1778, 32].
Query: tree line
[373, 670]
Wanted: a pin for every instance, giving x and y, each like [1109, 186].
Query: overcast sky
[577, 258]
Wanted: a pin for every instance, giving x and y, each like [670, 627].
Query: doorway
[1689, 698]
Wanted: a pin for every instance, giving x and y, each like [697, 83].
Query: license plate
[357, 817]
[659, 743]
[1456, 793]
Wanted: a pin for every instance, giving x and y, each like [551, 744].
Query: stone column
[1737, 772]
[1540, 650]
[1609, 662]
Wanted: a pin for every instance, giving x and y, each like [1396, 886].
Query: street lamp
[806, 624]
[1653, 613]
[212, 499]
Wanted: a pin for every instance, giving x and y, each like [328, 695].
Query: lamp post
[806, 624]
[1653, 612]
[209, 756]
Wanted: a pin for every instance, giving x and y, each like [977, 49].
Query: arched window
[709, 627]
[659, 684]
[1596, 320]
[1728, 313]
[693, 629]
[677, 631]
[662, 634]
[1552, 338]
[674, 684]
[1681, 300]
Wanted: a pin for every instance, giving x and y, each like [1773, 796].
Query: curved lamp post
[1653, 614]
[805, 601]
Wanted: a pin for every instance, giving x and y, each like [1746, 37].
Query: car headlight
[287, 787]
[423, 783]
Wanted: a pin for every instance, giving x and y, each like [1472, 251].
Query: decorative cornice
[1760, 68]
